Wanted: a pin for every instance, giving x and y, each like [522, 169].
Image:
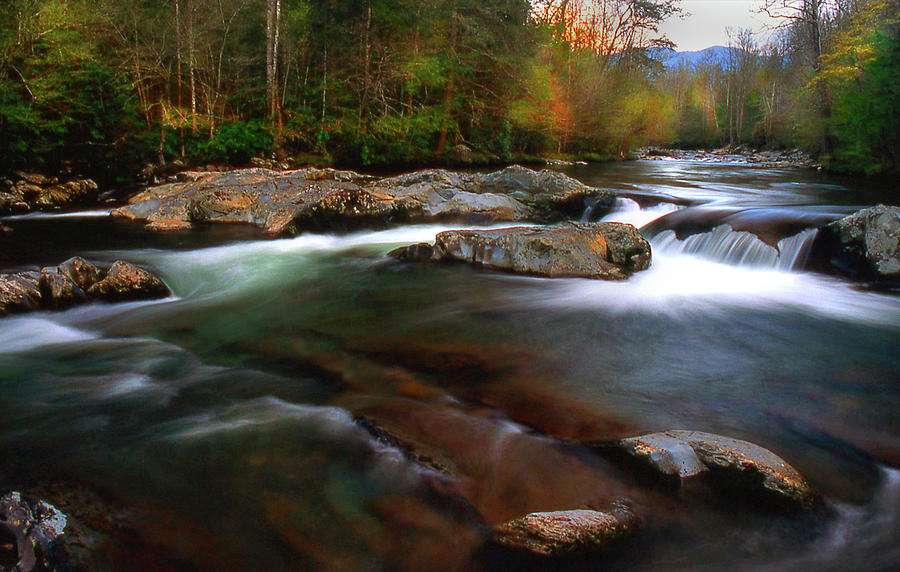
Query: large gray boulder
[284, 201]
[566, 533]
[609, 251]
[865, 244]
[739, 465]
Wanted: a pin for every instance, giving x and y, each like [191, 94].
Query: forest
[107, 88]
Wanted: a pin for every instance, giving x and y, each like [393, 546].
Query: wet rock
[81, 272]
[865, 244]
[125, 281]
[30, 191]
[19, 292]
[609, 251]
[667, 454]
[76, 281]
[731, 463]
[281, 201]
[58, 291]
[169, 225]
[565, 533]
[38, 529]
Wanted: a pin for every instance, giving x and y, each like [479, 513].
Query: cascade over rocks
[608, 251]
[76, 281]
[865, 245]
[738, 465]
[283, 201]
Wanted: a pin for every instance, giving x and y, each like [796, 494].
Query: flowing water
[309, 403]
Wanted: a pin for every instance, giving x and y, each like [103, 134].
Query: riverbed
[309, 402]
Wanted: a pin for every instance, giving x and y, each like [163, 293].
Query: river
[232, 426]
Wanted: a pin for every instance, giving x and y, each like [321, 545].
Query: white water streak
[46, 215]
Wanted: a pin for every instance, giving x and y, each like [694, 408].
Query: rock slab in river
[76, 281]
[609, 251]
[865, 244]
[569, 532]
[282, 201]
[739, 464]
[38, 528]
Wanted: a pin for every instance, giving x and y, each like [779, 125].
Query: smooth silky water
[232, 425]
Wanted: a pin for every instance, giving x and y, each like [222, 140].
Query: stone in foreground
[865, 244]
[566, 533]
[38, 529]
[738, 464]
[608, 251]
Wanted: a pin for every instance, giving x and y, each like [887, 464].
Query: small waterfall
[723, 244]
[630, 212]
[586, 215]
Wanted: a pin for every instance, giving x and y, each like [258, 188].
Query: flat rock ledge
[38, 529]
[567, 533]
[736, 464]
[290, 201]
[74, 282]
[608, 251]
[864, 245]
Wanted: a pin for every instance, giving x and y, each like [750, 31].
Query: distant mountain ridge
[715, 55]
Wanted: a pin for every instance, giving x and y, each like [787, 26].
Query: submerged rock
[609, 251]
[38, 529]
[865, 244]
[732, 463]
[76, 281]
[565, 533]
[282, 201]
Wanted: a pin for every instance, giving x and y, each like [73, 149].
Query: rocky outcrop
[76, 281]
[24, 192]
[609, 251]
[38, 529]
[126, 281]
[734, 464]
[864, 245]
[566, 533]
[282, 201]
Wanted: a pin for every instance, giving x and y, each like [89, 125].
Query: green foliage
[233, 143]
[863, 72]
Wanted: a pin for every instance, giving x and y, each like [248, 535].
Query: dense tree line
[828, 82]
[105, 87]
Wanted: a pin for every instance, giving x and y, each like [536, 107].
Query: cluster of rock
[76, 281]
[864, 245]
[25, 192]
[290, 201]
[609, 251]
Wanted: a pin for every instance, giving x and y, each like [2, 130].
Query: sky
[706, 25]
